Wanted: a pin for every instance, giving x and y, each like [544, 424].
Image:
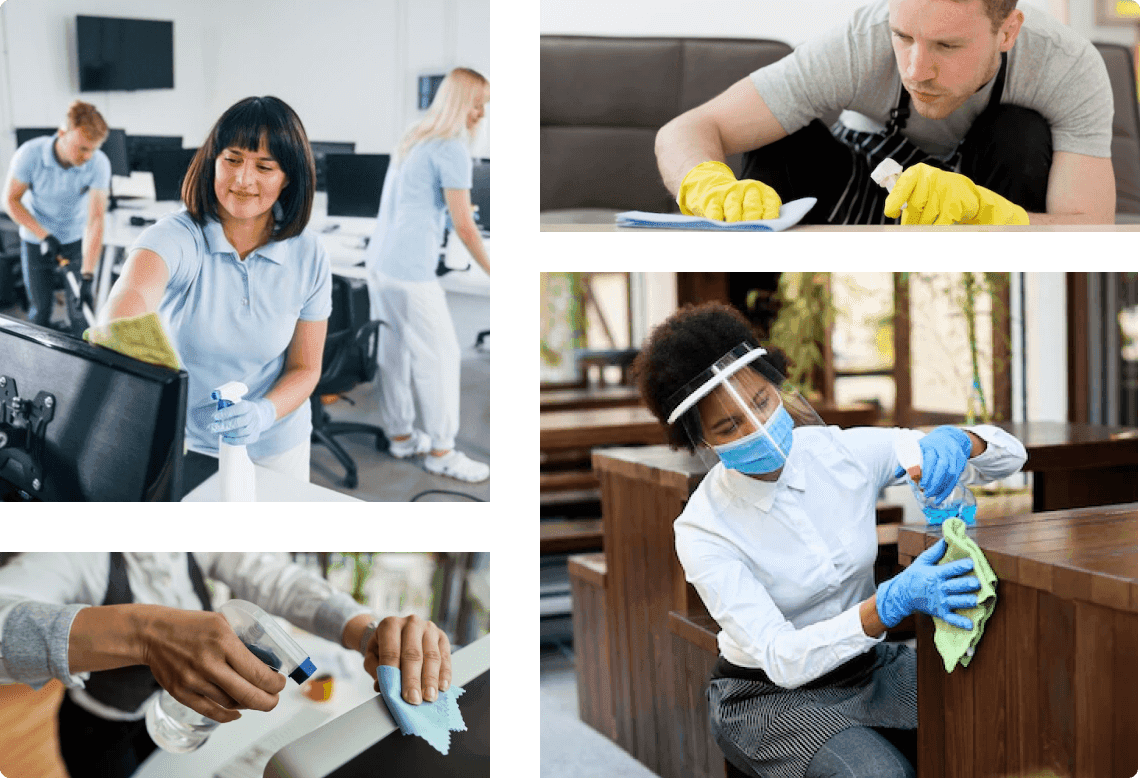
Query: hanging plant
[806, 311]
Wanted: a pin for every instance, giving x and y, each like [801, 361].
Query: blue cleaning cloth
[790, 215]
[433, 721]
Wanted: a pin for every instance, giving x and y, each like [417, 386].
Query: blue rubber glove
[945, 452]
[934, 589]
[243, 422]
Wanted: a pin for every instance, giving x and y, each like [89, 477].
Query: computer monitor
[168, 166]
[25, 134]
[90, 423]
[481, 193]
[355, 182]
[140, 148]
[115, 147]
[321, 148]
[366, 743]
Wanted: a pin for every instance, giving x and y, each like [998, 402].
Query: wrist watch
[368, 630]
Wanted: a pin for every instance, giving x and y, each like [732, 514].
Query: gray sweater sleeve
[36, 642]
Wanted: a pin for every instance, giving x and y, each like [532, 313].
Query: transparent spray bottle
[235, 468]
[179, 729]
[959, 503]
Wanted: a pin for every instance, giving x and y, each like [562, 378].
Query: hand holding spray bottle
[179, 729]
[959, 503]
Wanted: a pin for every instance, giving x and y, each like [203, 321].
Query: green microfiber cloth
[140, 337]
[957, 645]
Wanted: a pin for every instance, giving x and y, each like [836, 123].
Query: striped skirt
[775, 731]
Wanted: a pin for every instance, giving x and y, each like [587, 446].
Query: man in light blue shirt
[57, 192]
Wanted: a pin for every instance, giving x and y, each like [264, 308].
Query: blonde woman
[429, 178]
[66, 179]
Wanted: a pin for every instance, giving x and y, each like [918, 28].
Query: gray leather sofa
[604, 98]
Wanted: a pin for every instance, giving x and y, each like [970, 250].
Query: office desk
[271, 487]
[1052, 686]
[604, 226]
[351, 687]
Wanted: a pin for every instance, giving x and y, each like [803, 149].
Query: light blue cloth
[409, 227]
[790, 215]
[57, 196]
[433, 721]
[233, 320]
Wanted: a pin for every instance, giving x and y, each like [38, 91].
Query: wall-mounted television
[124, 54]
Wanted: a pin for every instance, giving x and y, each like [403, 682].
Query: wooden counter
[1053, 685]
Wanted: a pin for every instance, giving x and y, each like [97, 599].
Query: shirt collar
[760, 494]
[217, 243]
[49, 155]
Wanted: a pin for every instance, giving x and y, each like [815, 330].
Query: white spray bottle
[235, 468]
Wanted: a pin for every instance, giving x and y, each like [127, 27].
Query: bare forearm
[108, 636]
[123, 304]
[354, 631]
[474, 242]
[681, 145]
[24, 218]
[1043, 219]
[92, 246]
[869, 617]
[294, 387]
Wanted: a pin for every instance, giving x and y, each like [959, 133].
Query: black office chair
[349, 360]
[11, 274]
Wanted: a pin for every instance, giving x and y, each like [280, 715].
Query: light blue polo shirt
[232, 320]
[409, 226]
[57, 196]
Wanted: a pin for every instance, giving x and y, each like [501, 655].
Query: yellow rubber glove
[712, 191]
[933, 196]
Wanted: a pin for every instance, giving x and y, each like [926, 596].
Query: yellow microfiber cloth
[957, 645]
[140, 337]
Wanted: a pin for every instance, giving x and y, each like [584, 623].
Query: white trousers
[419, 358]
[293, 462]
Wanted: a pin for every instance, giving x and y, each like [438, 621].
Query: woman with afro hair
[779, 541]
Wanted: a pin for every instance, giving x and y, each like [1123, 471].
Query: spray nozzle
[263, 636]
[228, 394]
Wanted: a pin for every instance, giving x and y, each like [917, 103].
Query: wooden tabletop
[1054, 445]
[1084, 554]
[598, 427]
[590, 397]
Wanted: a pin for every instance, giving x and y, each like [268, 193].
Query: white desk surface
[351, 687]
[271, 487]
[611, 227]
[328, 747]
[342, 236]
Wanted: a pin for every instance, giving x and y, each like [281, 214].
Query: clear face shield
[743, 412]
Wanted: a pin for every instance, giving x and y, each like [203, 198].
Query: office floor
[383, 477]
[569, 748]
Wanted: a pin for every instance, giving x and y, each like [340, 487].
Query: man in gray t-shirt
[998, 116]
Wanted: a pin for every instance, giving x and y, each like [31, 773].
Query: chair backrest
[603, 100]
[351, 344]
[1125, 127]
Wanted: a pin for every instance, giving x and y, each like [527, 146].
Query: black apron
[126, 688]
[863, 200]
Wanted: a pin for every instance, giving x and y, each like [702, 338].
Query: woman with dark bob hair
[245, 290]
[779, 541]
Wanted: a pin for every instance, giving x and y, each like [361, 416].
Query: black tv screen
[124, 54]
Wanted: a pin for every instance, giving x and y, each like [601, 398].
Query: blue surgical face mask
[762, 451]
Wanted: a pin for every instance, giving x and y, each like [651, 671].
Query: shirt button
[245, 301]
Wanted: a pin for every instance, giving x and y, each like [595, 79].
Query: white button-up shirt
[783, 565]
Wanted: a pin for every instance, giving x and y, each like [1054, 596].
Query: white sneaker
[457, 465]
[418, 443]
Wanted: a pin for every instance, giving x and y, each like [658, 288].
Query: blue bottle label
[935, 516]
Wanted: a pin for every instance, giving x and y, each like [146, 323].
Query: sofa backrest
[603, 100]
[1125, 127]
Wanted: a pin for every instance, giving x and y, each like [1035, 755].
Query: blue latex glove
[934, 589]
[945, 451]
[243, 422]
